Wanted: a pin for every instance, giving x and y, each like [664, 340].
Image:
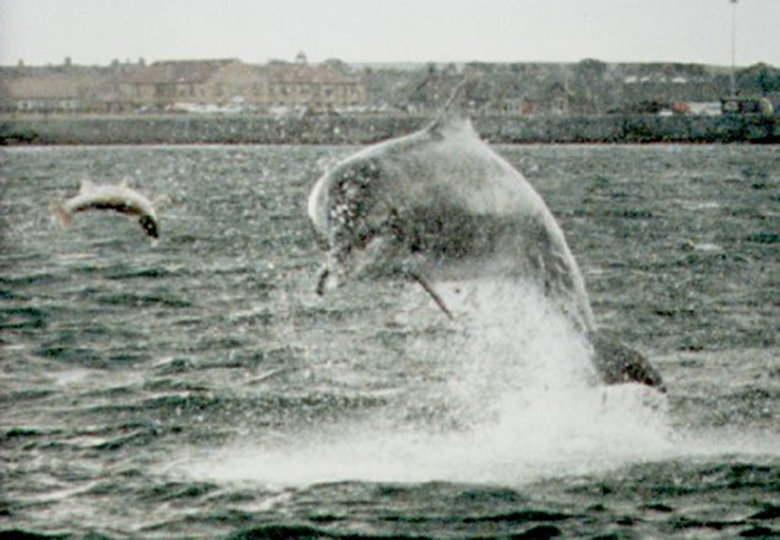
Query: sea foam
[516, 400]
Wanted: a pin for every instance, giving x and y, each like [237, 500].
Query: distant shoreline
[366, 129]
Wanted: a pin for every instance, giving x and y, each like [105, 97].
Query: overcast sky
[99, 31]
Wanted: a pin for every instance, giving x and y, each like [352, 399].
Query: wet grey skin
[114, 198]
[440, 205]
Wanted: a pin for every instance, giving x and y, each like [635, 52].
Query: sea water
[199, 388]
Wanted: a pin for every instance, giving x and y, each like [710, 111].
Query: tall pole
[732, 75]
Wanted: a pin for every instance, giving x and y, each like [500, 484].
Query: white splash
[516, 400]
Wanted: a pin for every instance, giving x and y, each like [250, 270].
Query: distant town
[333, 87]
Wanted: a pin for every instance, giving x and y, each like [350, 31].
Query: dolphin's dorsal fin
[454, 115]
[86, 186]
[124, 183]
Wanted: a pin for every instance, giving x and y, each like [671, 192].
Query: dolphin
[117, 198]
[440, 205]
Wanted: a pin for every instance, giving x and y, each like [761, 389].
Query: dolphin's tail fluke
[617, 363]
[61, 213]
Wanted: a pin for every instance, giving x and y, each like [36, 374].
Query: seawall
[239, 129]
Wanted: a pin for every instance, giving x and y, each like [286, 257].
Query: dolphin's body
[440, 205]
[121, 199]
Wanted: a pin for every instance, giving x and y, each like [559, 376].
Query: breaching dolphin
[117, 198]
[440, 205]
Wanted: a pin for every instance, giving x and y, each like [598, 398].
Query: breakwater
[364, 129]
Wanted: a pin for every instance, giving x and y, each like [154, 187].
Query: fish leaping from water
[115, 198]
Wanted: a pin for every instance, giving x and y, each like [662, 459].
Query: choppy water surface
[198, 387]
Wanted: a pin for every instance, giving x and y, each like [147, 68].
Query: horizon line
[68, 61]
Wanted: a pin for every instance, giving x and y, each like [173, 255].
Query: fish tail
[62, 214]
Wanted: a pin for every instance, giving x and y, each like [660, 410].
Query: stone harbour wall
[249, 129]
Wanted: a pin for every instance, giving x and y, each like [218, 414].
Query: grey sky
[98, 31]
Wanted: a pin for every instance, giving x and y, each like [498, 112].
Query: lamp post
[732, 74]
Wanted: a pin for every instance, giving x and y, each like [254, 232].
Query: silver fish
[116, 198]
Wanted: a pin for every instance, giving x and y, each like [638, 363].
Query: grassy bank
[192, 129]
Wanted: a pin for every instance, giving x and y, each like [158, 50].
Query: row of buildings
[230, 85]
[222, 85]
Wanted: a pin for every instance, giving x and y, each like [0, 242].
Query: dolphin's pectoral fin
[322, 279]
[618, 364]
[426, 284]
